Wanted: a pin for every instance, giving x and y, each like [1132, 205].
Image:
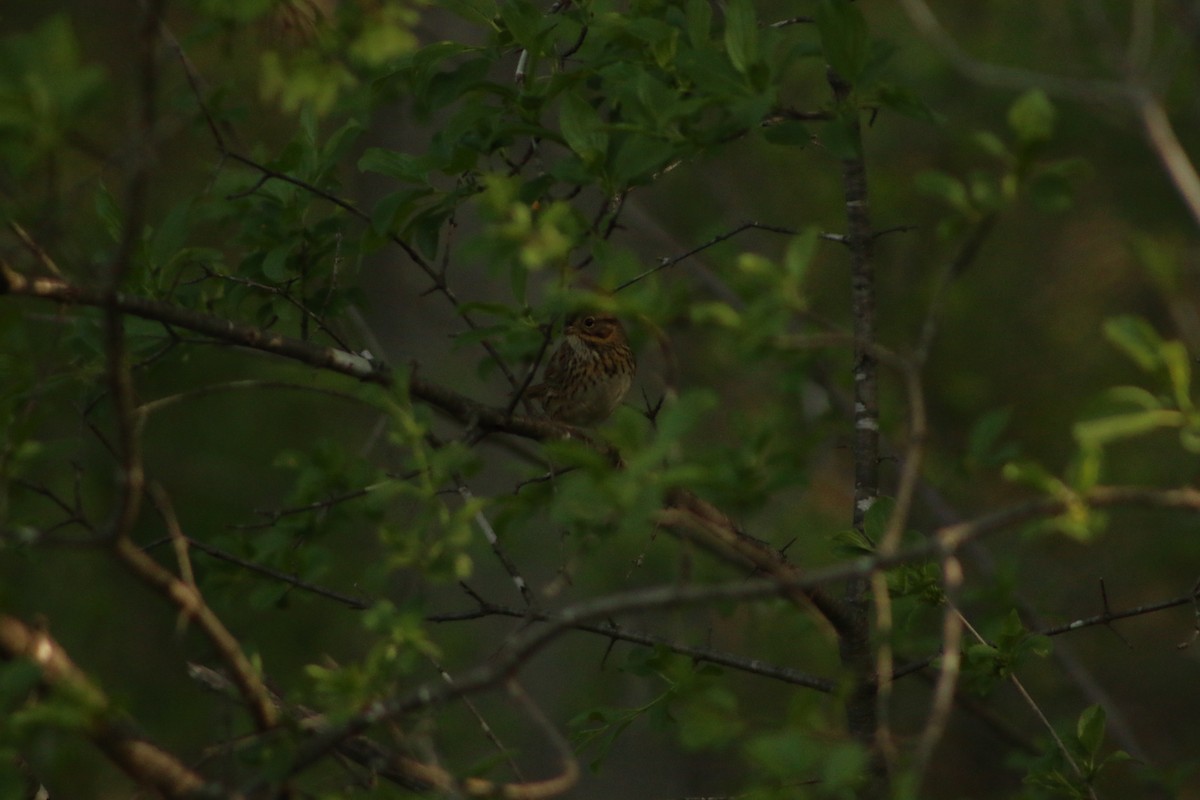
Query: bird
[589, 373]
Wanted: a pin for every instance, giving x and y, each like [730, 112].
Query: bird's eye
[589, 322]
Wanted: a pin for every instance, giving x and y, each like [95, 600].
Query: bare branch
[351, 601]
[610, 630]
[671, 261]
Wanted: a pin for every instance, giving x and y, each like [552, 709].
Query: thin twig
[488, 732]
[614, 632]
[671, 261]
[351, 601]
[943, 692]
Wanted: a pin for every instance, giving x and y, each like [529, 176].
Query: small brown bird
[590, 372]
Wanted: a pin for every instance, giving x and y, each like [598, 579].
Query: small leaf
[478, 12]
[108, 211]
[683, 415]
[1179, 369]
[274, 266]
[1090, 729]
[524, 20]
[638, 157]
[1099, 432]
[722, 314]
[903, 101]
[1189, 435]
[395, 207]
[1161, 259]
[841, 138]
[1137, 339]
[1032, 474]
[991, 144]
[341, 142]
[1132, 396]
[876, 519]
[699, 21]
[945, 187]
[582, 128]
[741, 35]
[1031, 117]
[843, 37]
[1051, 192]
[799, 254]
[982, 444]
[394, 164]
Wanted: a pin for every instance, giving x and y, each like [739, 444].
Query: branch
[671, 261]
[523, 645]
[191, 604]
[107, 728]
[692, 516]
[613, 631]
[689, 516]
[866, 709]
[412, 773]
[351, 601]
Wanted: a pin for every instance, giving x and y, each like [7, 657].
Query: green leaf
[1179, 370]
[844, 768]
[447, 87]
[1132, 396]
[1034, 475]
[1102, 431]
[741, 35]
[340, 142]
[169, 237]
[945, 187]
[391, 211]
[1031, 117]
[108, 211]
[699, 21]
[582, 128]
[842, 138]
[1090, 730]
[992, 144]
[274, 266]
[683, 415]
[17, 679]
[394, 164]
[982, 446]
[852, 543]
[876, 519]
[903, 101]
[1189, 434]
[799, 254]
[1137, 339]
[843, 37]
[1051, 192]
[1161, 260]
[709, 719]
[638, 157]
[715, 312]
[524, 20]
[787, 754]
[479, 12]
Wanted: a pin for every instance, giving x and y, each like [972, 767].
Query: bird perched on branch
[590, 372]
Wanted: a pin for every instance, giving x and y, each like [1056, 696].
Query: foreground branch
[115, 735]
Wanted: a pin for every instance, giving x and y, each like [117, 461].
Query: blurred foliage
[436, 185]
